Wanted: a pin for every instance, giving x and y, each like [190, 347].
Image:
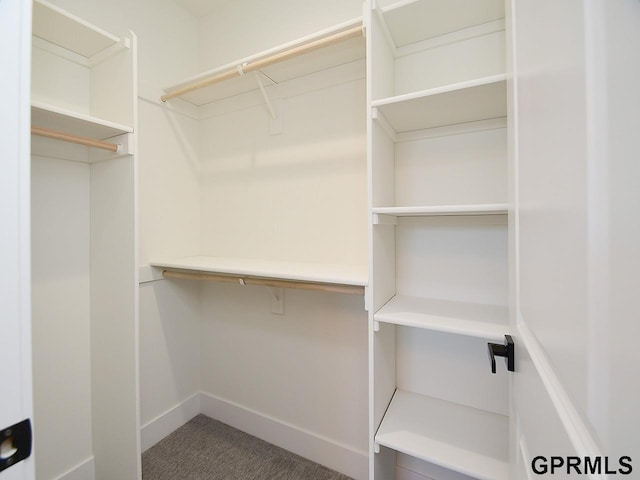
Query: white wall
[60, 314]
[299, 195]
[244, 27]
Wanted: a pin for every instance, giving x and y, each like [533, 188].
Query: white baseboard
[322, 450]
[161, 426]
[84, 471]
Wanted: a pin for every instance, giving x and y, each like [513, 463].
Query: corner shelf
[321, 59]
[55, 118]
[463, 102]
[470, 319]
[443, 210]
[463, 439]
[354, 279]
[65, 30]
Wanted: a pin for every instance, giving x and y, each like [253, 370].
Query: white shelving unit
[439, 214]
[439, 432]
[76, 70]
[84, 90]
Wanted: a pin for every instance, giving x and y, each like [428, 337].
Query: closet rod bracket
[277, 300]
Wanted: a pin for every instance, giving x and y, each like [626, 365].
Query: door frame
[16, 392]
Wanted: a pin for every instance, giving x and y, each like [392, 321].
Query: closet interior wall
[291, 189]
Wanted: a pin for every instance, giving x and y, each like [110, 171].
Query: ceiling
[200, 8]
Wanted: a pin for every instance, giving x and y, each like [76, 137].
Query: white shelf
[411, 21]
[464, 102]
[443, 210]
[294, 271]
[55, 118]
[330, 56]
[68, 31]
[475, 320]
[467, 440]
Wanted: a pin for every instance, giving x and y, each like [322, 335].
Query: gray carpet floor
[205, 449]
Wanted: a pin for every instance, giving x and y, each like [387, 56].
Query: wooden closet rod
[263, 62]
[267, 282]
[67, 137]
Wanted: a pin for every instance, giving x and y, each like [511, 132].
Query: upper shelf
[68, 31]
[464, 439]
[55, 118]
[291, 60]
[411, 21]
[311, 273]
[464, 102]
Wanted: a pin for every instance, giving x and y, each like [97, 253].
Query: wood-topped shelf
[463, 439]
[460, 318]
[307, 276]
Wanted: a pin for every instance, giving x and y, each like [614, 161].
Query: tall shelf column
[438, 238]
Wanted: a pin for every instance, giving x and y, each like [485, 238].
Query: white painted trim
[525, 457]
[83, 471]
[577, 430]
[325, 451]
[161, 426]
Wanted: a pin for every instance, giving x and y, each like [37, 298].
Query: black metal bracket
[507, 350]
[16, 439]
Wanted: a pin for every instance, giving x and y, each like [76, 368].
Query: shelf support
[277, 300]
[265, 96]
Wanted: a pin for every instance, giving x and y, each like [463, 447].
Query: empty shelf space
[55, 118]
[411, 21]
[285, 62]
[461, 318]
[58, 27]
[345, 278]
[464, 439]
[463, 102]
[442, 210]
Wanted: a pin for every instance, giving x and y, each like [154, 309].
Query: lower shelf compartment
[463, 439]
